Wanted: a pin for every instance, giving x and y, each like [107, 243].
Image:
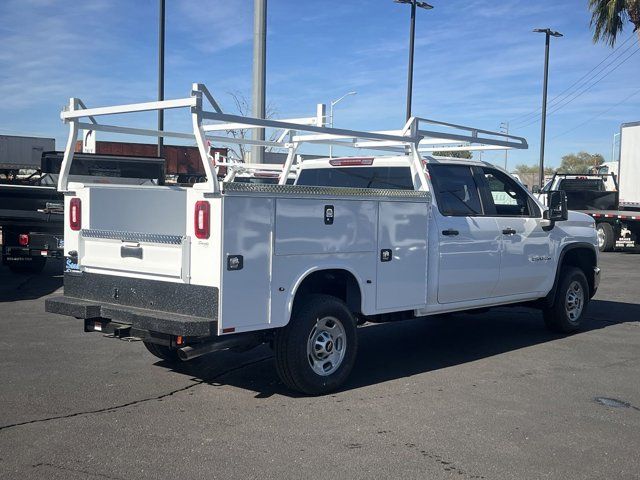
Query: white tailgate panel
[301, 228]
[402, 281]
[156, 210]
[247, 231]
[157, 259]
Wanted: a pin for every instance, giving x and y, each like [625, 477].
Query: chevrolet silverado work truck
[190, 271]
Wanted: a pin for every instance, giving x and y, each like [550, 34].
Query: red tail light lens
[75, 214]
[23, 239]
[201, 219]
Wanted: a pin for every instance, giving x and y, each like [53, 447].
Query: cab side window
[455, 189]
[508, 198]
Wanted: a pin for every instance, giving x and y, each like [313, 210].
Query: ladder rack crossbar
[411, 138]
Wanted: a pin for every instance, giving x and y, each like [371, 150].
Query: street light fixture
[548, 33]
[333, 103]
[412, 33]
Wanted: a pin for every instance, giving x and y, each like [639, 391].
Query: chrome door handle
[508, 231]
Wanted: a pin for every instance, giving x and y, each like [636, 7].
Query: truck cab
[490, 236]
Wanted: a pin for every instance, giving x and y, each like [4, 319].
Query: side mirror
[557, 206]
[535, 189]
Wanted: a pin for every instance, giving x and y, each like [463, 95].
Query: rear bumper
[146, 305]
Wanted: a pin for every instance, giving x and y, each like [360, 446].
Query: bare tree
[243, 108]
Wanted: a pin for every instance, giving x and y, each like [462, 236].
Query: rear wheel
[163, 352]
[572, 297]
[35, 265]
[606, 238]
[316, 351]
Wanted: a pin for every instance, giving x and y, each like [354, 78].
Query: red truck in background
[180, 161]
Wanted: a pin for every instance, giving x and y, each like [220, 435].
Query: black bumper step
[139, 318]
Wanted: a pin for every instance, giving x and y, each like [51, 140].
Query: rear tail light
[201, 219]
[75, 214]
[23, 239]
[344, 162]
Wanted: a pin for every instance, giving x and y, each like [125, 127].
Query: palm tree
[608, 18]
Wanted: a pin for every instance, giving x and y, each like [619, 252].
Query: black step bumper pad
[155, 306]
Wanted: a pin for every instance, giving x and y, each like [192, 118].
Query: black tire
[163, 352]
[36, 265]
[559, 318]
[606, 238]
[313, 317]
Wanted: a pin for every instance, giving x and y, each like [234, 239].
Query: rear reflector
[75, 214]
[201, 219]
[343, 162]
[23, 239]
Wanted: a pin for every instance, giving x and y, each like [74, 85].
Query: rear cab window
[394, 178]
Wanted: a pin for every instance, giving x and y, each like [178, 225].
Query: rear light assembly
[353, 161]
[201, 219]
[23, 239]
[75, 214]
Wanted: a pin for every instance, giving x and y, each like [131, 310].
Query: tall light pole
[412, 34]
[504, 128]
[548, 33]
[333, 103]
[259, 73]
[161, 22]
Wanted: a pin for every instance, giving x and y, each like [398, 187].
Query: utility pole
[548, 33]
[161, 22]
[412, 34]
[333, 104]
[504, 128]
[259, 73]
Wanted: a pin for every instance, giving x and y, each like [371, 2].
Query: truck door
[469, 242]
[527, 253]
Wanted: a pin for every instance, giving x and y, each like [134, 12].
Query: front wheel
[572, 297]
[316, 351]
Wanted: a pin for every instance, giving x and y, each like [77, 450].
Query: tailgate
[134, 252]
[131, 231]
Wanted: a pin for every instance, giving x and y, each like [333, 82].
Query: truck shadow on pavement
[393, 351]
[30, 286]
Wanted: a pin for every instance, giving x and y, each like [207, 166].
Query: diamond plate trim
[133, 236]
[232, 187]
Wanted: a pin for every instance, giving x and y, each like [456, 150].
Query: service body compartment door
[312, 226]
[402, 255]
[246, 263]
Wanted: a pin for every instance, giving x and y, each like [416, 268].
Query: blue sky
[477, 63]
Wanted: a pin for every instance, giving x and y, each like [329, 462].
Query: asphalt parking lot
[483, 396]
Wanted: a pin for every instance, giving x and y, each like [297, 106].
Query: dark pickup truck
[32, 210]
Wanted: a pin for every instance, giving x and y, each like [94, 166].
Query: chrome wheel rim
[574, 301]
[600, 233]
[326, 346]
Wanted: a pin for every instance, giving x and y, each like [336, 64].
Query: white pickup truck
[195, 270]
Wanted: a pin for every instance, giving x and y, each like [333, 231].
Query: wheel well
[335, 282]
[584, 259]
